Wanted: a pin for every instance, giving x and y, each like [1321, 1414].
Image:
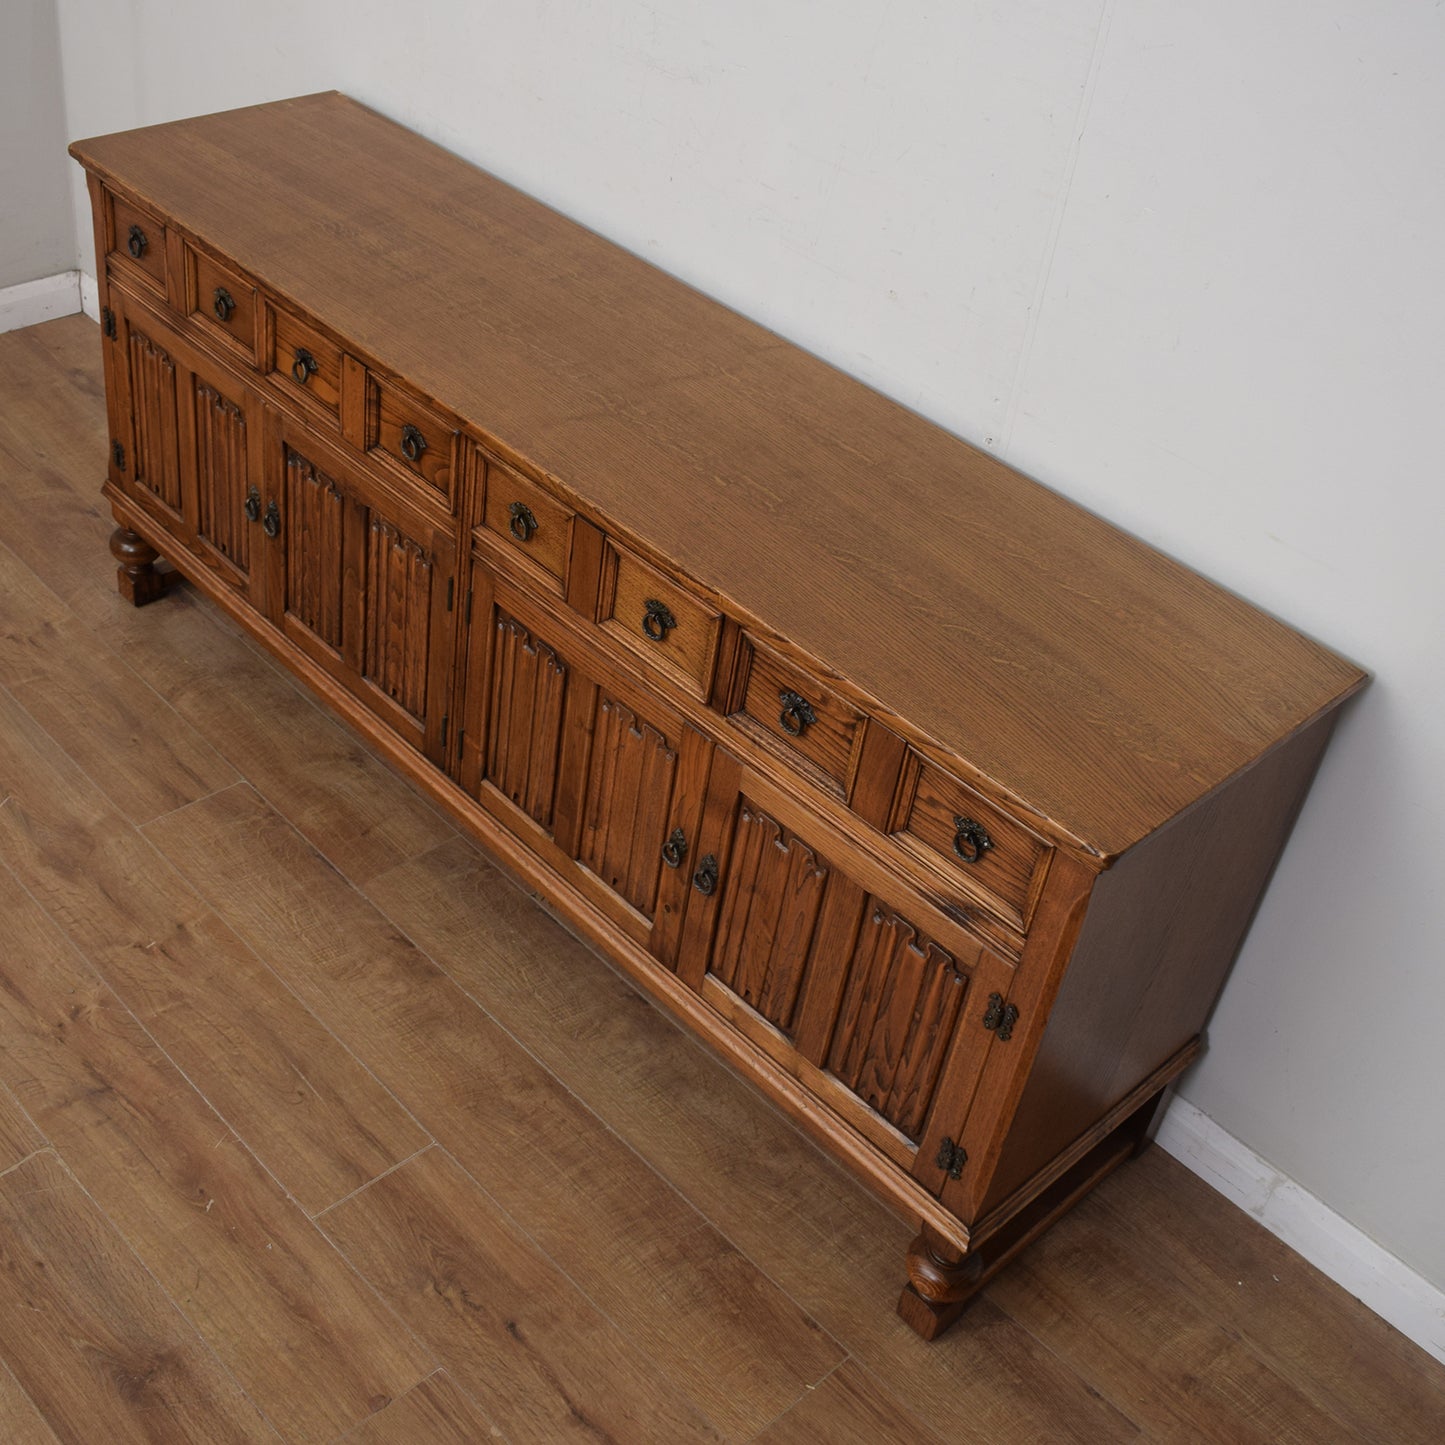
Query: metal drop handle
[675, 849]
[136, 242]
[970, 839]
[523, 523]
[304, 366]
[657, 620]
[271, 524]
[413, 444]
[705, 879]
[796, 715]
[223, 304]
[253, 505]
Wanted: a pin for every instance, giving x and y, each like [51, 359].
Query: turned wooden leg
[137, 577]
[940, 1284]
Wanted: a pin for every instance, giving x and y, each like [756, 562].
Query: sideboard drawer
[534, 525]
[797, 716]
[305, 363]
[222, 302]
[138, 240]
[657, 620]
[967, 842]
[415, 435]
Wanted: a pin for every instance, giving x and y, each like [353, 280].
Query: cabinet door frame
[429, 536]
[855, 876]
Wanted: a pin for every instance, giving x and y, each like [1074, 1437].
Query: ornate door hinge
[1000, 1016]
[951, 1158]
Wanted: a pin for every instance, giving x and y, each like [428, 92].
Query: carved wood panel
[628, 799]
[768, 916]
[314, 514]
[900, 1008]
[400, 580]
[524, 727]
[156, 464]
[221, 475]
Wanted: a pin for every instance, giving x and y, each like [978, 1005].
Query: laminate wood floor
[314, 1126]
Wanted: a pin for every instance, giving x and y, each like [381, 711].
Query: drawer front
[223, 302]
[138, 239]
[304, 363]
[655, 619]
[968, 842]
[795, 714]
[535, 526]
[413, 434]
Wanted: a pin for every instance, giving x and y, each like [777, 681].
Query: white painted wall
[1182, 262]
[36, 224]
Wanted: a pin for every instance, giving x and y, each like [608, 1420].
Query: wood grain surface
[670, 1252]
[932, 565]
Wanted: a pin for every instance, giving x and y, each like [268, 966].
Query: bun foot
[940, 1285]
[137, 577]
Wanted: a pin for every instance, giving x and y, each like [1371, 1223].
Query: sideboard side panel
[1162, 929]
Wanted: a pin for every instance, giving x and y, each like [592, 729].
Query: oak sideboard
[934, 803]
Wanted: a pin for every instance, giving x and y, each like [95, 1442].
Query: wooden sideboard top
[1101, 684]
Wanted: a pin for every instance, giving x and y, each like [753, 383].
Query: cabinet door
[841, 973]
[192, 449]
[601, 780]
[360, 580]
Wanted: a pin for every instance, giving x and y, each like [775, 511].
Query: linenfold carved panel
[399, 578]
[524, 728]
[221, 475]
[153, 404]
[315, 556]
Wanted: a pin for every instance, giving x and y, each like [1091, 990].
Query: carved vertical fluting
[629, 792]
[768, 916]
[153, 404]
[524, 727]
[315, 560]
[899, 1011]
[399, 576]
[221, 475]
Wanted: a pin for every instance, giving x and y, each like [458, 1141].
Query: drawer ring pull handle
[136, 242]
[223, 304]
[271, 524]
[970, 839]
[657, 620]
[253, 505]
[705, 879]
[522, 524]
[413, 444]
[675, 849]
[304, 367]
[797, 713]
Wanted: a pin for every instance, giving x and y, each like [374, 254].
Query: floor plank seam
[375, 1179]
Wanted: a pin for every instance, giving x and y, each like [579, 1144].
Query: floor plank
[505, 1321]
[849, 1408]
[89, 1335]
[136, 749]
[304, 1336]
[319, 1121]
[20, 1419]
[434, 1412]
[641, 1253]
[841, 1256]
[1307, 1328]
[19, 1138]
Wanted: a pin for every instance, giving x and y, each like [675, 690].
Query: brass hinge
[951, 1158]
[1000, 1016]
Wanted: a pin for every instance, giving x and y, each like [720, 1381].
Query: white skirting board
[1311, 1228]
[43, 300]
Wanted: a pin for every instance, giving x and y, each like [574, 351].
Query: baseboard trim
[1310, 1227]
[90, 295]
[42, 300]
